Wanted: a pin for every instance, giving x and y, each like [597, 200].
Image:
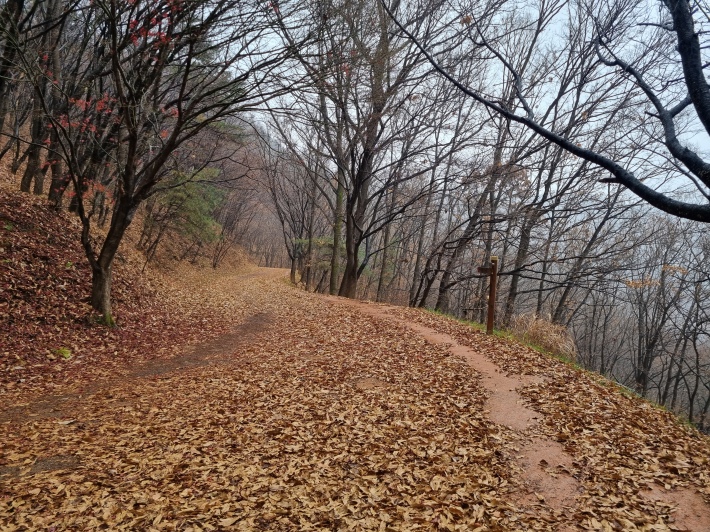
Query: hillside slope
[49, 332]
[293, 411]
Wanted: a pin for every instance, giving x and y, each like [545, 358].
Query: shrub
[553, 338]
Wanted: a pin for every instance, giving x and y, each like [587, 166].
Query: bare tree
[154, 75]
[666, 69]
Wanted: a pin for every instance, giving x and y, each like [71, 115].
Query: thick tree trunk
[292, 274]
[60, 180]
[356, 207]
[102, 265]
[348, 286]
[357, 202]
[101, 293]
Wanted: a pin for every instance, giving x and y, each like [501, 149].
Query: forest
[385, 150]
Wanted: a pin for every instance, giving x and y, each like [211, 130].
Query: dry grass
[532, 329]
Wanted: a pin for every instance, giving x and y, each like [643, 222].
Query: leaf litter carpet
[318, 414]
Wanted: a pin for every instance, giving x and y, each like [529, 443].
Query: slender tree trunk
[32, 173]
[483, 293]
[337, 230]
[676, 360]
[559, 314]
[9, 27]
[416, 281]
[703, 415]
[310, 270]
[545, 265]
[520, 257]
[20, 116]
[446, 284]
[696, 386]
[383, 267]
[429, 276]
[381, 283]
[59, 180]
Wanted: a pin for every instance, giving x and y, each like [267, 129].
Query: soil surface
[545, 466]
[319, 413]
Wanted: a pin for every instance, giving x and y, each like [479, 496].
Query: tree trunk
[429, 276]
[59, 180]
[483, 293]
[310, 269]
[446, 284]
[487, 196]
[292, 274]
[337, 230]
[9, 27]
[545, 266]
[348, 287]
[559, 315]
[355, 208]
[417, 282]
[102, 265]
[38, 128]
[520, 257]
[32, 173]
[385, 250]
[101, 293]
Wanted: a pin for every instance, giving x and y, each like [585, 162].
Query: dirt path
[315, 414]
[544, 465]
[214, 352]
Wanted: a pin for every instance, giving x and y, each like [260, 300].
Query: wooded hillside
[386, 150]
[229, 399]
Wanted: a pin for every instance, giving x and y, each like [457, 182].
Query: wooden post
[492, 295]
